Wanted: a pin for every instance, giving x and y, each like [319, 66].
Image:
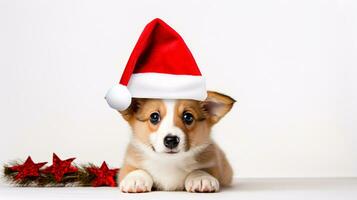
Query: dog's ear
[217, 105]
[131, 110]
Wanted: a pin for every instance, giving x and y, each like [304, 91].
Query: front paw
[200, 181]
[136, 181]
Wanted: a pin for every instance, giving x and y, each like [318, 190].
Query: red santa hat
[160, 66]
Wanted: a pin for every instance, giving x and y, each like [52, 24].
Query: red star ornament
[104, 175]
[60, 167]
[28, 169]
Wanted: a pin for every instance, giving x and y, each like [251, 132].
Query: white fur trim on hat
[167, 86]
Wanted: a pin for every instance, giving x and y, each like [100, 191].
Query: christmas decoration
[160, 66]
[104, 175]
[59, 167]
[60, 173]
[28, 169]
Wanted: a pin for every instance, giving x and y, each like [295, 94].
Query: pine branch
[81, 178]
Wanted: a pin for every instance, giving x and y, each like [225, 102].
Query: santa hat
[160, 66]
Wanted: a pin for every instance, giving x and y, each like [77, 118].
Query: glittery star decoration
[28, 169]
[60, 167]
[104, 175]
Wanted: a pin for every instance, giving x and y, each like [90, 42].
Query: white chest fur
[169, 171]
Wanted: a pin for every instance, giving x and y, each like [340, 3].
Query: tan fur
[126, 168]
[222, 171]
[206, 114]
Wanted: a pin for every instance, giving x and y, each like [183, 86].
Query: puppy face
[174, 126]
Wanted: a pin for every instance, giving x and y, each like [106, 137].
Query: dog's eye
[187, 118]
[155, 118]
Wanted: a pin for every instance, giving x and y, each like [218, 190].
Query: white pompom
[118, 97]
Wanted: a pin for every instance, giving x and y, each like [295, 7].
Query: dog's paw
[200, 181]
[136, 182]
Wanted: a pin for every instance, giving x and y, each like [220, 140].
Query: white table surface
[242, 189]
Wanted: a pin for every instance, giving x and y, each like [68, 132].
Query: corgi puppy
[171, 147]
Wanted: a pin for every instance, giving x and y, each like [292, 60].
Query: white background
[292, 66]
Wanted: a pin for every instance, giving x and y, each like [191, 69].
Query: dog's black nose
[171, 141]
